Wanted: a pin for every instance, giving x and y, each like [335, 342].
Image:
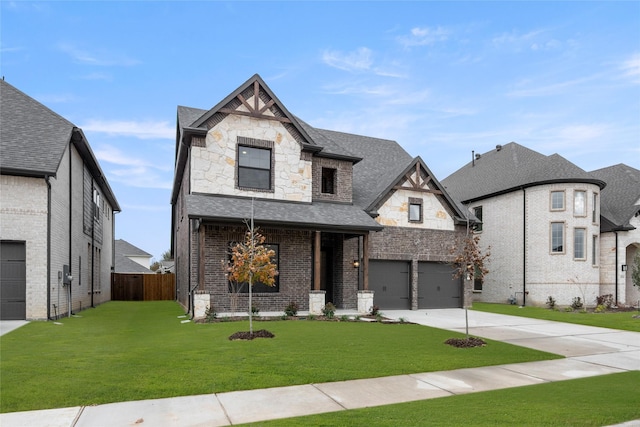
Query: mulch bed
[466, 342]
[262, 333]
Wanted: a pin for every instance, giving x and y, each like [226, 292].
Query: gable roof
[509, 168]
[123, 264]
[32, 137]
[33, 140]
[620, 199]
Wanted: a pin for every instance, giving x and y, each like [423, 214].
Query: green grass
[595, 401]
[614, 320]
[123, 351]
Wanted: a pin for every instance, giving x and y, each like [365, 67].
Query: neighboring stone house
[130, 258]
[346, 214]
[56, 214]
[551, 226]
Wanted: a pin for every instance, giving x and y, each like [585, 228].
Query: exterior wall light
[624, 267]
[356, 263]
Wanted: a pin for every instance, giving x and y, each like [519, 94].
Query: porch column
[201, 238]
[316, 261]
[365, 262]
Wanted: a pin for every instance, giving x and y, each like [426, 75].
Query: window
[477, 211]
[594, 209]
[328, 181]
[579, 203]
[477, 280]
[96, 204]
[243, 288]
[254, 167]
[557, 237]
[594, 250]
[557, 200]
[415, 209]
[579, 243]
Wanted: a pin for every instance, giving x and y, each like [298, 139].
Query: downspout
[93, 236]
[46, 178]
[616, 268]
[70, 225]
[524, 247]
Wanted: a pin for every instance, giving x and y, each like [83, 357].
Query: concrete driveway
[7, 326]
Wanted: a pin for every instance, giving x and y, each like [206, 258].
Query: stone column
[201, 302]
[365, 301]
[316, 302]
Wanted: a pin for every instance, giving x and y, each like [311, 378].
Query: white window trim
[564, 201]
[584, 214]
[564, 238]
[584, 244]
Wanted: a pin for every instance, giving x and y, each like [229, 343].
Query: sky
[442, 79]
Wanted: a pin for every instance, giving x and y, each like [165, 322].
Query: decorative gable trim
[255, 99]
[417, 177]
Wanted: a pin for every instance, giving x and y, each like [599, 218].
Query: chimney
[498, 147]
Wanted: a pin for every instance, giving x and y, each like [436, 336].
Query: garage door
[390, 282]
[13, 283]
[436, 286]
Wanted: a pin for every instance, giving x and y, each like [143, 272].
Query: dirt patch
[262, 333]
[465, 342]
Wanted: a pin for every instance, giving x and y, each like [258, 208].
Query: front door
[13, 281]
[326, 274]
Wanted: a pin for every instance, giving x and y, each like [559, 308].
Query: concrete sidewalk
[589, 350]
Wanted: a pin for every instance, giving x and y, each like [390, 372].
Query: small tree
[251, 262]
[469, 260]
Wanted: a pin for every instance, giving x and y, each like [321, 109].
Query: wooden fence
[143, 287]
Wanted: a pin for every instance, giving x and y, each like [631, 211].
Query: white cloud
[96, 58]
[550, 89]
[358, 60]
[631, 68]
[133, 170]
[142, 130]
[423, 36]
[536, 40]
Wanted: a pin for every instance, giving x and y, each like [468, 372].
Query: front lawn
[594, 401]
[615, 320]
[124, 351]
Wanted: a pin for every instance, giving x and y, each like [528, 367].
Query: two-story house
[56, 214]
[348, 216]
[554, 229]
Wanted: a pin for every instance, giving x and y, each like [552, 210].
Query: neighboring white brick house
[542, 218]
[56, 214]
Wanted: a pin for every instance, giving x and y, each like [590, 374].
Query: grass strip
[124, 351]
[623, 320]
[594, 401]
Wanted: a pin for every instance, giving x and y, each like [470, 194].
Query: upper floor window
[96, 204]
[477, 211]
[579, 243]
[594, 209]
[328, 181]
[557, 200]
[415, 209]
[557, 237]
[254, 167]
[579, 203]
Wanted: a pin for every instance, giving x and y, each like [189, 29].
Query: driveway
[7, 326]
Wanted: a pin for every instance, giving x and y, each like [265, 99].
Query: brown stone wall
[295, 267]
[344, 179]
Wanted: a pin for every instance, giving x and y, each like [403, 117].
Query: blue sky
[441, 78]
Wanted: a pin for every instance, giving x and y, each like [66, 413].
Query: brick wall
[343, 185]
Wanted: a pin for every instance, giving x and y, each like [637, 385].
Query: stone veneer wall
[213, 168]
[295, 267]
[395, 211]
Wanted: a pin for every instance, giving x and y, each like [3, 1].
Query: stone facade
[395, 211]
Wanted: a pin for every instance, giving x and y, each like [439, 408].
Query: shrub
[567, 309]
[605, 300]
[577, 303]
[402, 320]
[329, 310]
[600, 308]
[551, 302]
[344, 318]
[255, 310]
[374, 310]
[311, 317]
[291, 310]
[210, 314]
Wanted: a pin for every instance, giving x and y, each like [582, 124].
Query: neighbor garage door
[390, 282]
[13, 283]
[436, 286]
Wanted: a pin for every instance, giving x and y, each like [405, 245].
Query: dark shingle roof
[620, 199]
[510, 168]
[125, 248]
[383, 161]
[326, 216]
[32, 137]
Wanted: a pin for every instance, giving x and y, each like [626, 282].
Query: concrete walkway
[589, 351]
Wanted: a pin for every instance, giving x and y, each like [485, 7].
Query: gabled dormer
[416, 199]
